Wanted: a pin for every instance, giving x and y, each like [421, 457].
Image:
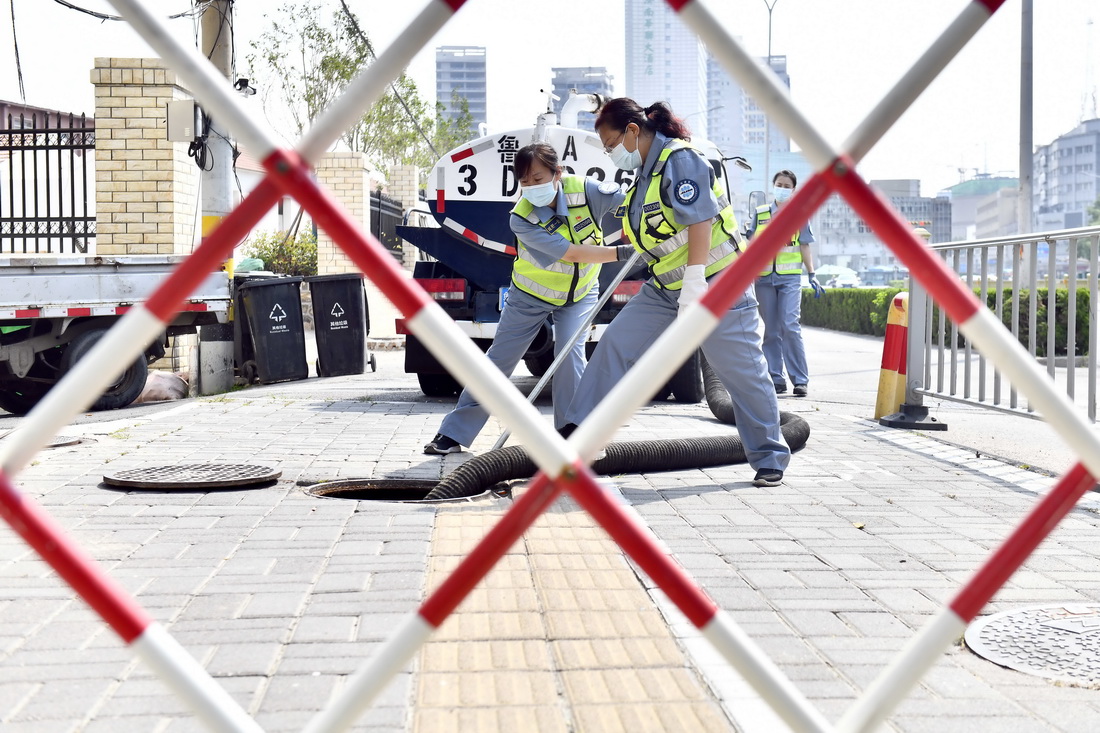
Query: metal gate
[46, 185]
[385, 215]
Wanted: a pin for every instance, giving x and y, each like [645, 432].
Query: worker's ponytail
[668, 124]
[620, 112]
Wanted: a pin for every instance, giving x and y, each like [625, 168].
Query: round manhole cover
[1056, 642]
[58, 441]
[193, 476]
[386, 490]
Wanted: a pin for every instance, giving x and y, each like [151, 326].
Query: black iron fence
[385, 216]
[47, 187]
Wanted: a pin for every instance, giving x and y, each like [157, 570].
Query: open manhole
[361, 489]
[193, 476]
[1056, 642]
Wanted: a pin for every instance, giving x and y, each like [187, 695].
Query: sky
[842, 57]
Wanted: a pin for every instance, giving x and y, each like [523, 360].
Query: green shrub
[297, 255]
[865, 310]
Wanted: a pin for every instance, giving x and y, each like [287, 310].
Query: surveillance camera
[242, 86]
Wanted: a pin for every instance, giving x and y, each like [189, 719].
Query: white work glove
[694, 287]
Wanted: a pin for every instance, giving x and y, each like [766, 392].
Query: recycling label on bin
[336, 312]
[277, 315]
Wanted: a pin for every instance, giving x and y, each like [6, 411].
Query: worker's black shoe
[800, 390]
[768, 477]
[566, 430]
[441, 445]
[781, 388]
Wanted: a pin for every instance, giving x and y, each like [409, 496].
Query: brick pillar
[404, 185]
[349, 177]
[146, 187]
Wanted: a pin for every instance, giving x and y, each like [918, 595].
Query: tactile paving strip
[193, 476]
[1056, 642]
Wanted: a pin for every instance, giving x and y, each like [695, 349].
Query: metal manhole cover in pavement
[193, 476]
[1056, 642]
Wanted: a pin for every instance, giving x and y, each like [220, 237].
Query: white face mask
[781, 194]
[625, 159]
[542, 194]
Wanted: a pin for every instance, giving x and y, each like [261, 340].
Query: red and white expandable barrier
[561, 471]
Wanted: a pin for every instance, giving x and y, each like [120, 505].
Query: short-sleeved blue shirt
[546, 247]
[687, 184]
[805, 234]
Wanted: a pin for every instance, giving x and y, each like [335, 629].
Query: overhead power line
[197, 10]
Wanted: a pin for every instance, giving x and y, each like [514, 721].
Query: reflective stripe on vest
[789, 259]
[664, 243]
[562, 282]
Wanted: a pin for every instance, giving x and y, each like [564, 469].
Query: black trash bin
[341, 322]
[273, 307]
[244, 356]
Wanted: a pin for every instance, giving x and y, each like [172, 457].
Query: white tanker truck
[470, 248]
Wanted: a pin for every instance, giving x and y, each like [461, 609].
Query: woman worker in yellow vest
[679, 218]
[779, 290]
[558, 254]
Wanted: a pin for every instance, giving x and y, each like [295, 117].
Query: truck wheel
[124, 390]
[538, 365]
[438, 385]
[686, 385]
[19, 398]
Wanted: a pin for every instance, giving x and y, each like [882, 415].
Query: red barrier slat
[640, 545]
[1019, 545]
[215, 247]
[735, 279]
[293, 176]
[475, 566]
[82, 574]
[29, 313]
[897, 234]
[78, 312]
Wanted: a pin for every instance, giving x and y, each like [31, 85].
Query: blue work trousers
[780, 299]
[520, 321]
[733, 350]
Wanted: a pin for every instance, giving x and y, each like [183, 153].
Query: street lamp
[767, 123]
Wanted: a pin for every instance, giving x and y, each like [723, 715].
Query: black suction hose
[642, 456]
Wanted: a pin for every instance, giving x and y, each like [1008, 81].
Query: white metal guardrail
[1018, 276]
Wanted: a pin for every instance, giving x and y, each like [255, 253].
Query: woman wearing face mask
[556, 272]
[779, 290]
[679, 218]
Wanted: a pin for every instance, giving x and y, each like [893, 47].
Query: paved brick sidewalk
[280, 594]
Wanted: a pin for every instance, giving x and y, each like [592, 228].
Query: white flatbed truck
[53, 309]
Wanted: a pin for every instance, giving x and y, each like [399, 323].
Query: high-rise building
[665, 62]
[1067, 178]
[461, 70]
[586, 80]
[736, 126]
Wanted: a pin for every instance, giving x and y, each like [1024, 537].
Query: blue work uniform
[780, 297]
[733, 349]
[524, 314]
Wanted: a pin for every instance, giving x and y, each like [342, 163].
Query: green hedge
[864, 310]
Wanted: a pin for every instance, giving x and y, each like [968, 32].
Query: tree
[311, 63]
[303, 65]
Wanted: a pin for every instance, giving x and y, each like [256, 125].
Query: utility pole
[217, 45]
[215, 353]
[1024, 212]
[767, 122]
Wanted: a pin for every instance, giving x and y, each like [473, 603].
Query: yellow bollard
[895, 349]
